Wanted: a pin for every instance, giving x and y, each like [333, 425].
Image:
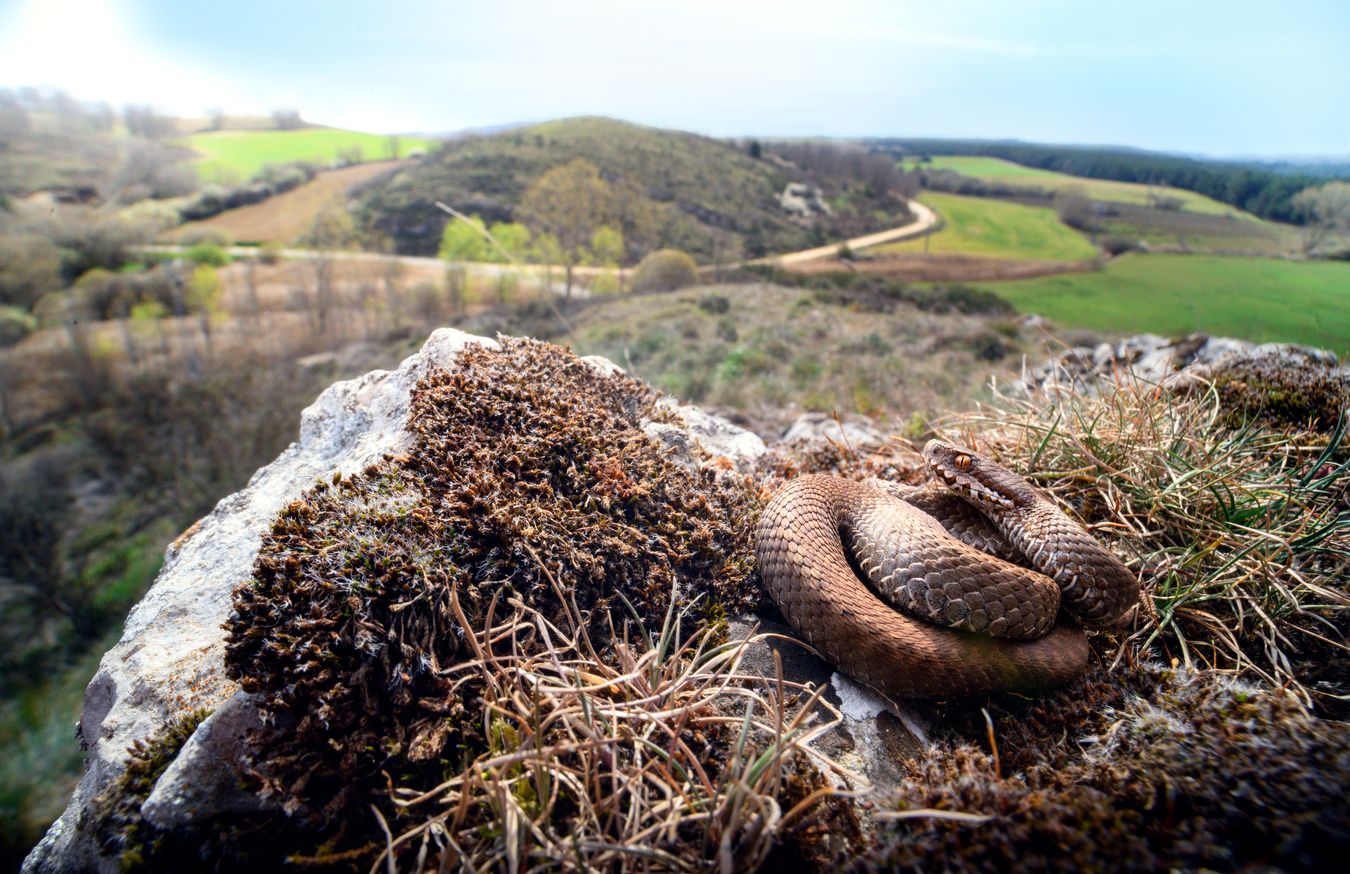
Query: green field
[998, 170]
[998, 229]
[238, 155]
[1258, 299]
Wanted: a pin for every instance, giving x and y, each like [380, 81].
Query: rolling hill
[709, 195]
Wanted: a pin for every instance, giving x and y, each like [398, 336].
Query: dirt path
[925, 219]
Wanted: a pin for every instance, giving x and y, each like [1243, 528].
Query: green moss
[121, 829]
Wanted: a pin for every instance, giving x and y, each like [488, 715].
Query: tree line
[1261, 192]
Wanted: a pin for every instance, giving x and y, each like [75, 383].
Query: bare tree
[1326, 208]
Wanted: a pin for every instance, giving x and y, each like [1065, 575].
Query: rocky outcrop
[1169, 361]
[170, 659]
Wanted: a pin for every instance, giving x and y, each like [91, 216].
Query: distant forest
[1263, 192]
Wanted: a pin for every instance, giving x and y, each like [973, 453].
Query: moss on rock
[1146, 769]
[529, 477]
[122, 832]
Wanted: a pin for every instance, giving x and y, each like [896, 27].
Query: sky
[1234, 78]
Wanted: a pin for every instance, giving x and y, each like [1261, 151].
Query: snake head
[988, 485]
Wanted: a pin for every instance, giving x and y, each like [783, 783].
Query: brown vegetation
[286, 217]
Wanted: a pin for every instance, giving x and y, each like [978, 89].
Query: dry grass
[659, 757]
[1240, 534]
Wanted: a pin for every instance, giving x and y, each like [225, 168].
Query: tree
[465, 241]
[514, 238]
[143, 121]
[606, 247]
[569, 202]
[1326, 208]
[287, 119]
[1074, 208]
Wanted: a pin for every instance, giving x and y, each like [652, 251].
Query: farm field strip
[238, 155]
[997, 229]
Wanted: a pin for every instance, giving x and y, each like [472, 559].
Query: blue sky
[1222, 78]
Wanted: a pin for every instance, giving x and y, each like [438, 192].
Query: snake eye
[962, 462]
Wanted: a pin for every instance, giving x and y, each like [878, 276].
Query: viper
[929, 593]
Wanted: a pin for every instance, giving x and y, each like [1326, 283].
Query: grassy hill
[997, 169]
[998, 229]
[1260, 299]
[236, 155]
[708, 194]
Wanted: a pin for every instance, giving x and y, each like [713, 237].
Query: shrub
[15, 324]
[1121, 245]
[270, 253]
[207, 254]
[665, 270]
[205, 236]
[30, 266]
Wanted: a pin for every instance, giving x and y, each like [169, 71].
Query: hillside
[1258, 191]
[1015, 175]
[710, 197]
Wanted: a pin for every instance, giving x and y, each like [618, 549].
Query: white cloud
[90, 49]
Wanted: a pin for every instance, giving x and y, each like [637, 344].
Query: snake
[929, 592]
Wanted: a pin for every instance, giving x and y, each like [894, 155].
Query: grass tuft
[1238, 529]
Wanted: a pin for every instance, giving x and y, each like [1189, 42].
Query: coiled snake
[961, 559]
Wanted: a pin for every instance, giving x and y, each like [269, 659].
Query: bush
[270, 253]
[15, 324]
[1121, 245]
[665, 270]
[207, 254]
[206, 236]
[30, 266]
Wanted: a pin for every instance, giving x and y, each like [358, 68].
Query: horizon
[1224, 81]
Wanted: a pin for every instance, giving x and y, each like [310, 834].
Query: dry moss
[1145, 770]
[530, 484]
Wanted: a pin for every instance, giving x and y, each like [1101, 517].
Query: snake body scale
[979, 571]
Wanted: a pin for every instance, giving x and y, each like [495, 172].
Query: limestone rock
[1165, 361]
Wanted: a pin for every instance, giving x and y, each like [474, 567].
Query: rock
[204, 778]
[875, 734]
[170, 658]
[1164, 361]
[857, 432]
